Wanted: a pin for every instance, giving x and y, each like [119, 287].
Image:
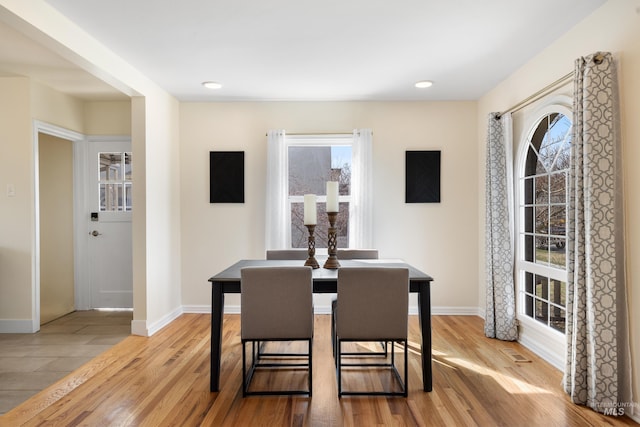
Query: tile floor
[32, 362]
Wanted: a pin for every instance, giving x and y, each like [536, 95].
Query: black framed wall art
[422, 169]
[226, 177]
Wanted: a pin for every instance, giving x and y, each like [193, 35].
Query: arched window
[542, 272]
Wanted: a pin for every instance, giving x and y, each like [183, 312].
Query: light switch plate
[11, 190]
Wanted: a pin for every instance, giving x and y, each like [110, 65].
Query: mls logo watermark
[616, 412]
[617, 409]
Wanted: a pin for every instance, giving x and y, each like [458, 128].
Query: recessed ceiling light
[212, 85]
[423, 84]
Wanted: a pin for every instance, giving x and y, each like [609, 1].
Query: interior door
[109, 231]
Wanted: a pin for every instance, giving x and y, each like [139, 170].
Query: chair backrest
[296, 254]
[357, 254]
[276, 302]
[373, 303]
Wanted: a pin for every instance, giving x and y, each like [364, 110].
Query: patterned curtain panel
[597, 368]
[500, 319]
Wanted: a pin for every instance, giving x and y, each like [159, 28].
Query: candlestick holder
[332, 244]
[311, 260]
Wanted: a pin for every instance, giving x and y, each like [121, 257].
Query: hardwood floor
[164, 380]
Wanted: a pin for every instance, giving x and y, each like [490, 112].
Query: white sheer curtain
[361, 206]
[500, 320]
[277, 213]
[597, 371]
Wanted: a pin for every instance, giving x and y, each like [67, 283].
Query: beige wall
[53, 107]
[156, 151]
[615, 27]
[16, 226]
[439, 238]
[56, 227]
[107, 118]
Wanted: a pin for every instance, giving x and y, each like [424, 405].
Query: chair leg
[406, 369]
[244, 369]
[393, 353]
[333, 328]
[339, 366]
[310, 380]
[247, 377]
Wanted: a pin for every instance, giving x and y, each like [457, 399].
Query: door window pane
[115, 181]
[110, 166]
[110, 197]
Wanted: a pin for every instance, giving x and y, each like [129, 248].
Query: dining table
[324, 281]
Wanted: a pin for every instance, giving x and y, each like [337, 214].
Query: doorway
[97, 271]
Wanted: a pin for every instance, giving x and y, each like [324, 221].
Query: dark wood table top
[231, 275]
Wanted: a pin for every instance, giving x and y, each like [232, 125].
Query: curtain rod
[597, 59]
[539, 94]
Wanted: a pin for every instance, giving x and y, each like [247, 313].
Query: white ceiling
[304, 49]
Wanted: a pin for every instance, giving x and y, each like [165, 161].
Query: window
[317, 159]
[114, 182]
[542, 271]
[311, 163]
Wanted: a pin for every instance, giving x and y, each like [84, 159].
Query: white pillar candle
[332, 196]
[310, 211]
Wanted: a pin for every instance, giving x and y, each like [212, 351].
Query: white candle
[310, 212]
[332, 196]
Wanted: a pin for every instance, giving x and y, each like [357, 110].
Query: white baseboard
[143, 328]
[16, 326]
[450, 311]
[196, 309]
[317, 309]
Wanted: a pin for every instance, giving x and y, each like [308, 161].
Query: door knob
[95, 233]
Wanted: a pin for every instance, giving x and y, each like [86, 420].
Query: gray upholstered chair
[357, 254]
[353, 254]
[283, 254]
[287, 254]
[373, 305]
[276, 305]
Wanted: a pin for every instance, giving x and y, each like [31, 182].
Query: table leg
[217, 308]
[424, 310]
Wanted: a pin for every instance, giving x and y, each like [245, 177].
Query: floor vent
[515, 356]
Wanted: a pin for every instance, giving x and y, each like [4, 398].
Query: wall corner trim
[146, 329]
